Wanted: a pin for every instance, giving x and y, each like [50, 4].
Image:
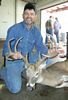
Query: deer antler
[25, 58]
[10, 56]
[9, 45]
[16, 44]
[52, 40]
[49, 55]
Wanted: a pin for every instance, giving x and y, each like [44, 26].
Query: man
[31, 39]
[49, 28]
[57, 27]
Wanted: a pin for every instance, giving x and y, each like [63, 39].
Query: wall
[7, 16]
[46, 3]
[19, 10]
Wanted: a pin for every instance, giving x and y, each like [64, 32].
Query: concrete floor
[40, 93]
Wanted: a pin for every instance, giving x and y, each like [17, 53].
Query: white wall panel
[19, 10]
[7, 16]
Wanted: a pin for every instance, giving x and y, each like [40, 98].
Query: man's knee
[15, 89]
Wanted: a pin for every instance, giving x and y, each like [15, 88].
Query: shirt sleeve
[10, 35]
[39, 43]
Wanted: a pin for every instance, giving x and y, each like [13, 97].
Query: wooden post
[67, 45]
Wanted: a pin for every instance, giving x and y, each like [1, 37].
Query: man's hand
[52, 53]
[16, 55]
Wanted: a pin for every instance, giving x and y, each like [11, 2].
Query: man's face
[29, 16]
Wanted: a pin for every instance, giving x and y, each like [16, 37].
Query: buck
[55, 75]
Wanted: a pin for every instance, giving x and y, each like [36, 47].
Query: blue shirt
[31, 39]
[57, 26]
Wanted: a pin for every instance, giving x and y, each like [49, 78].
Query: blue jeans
[48, 31]
[11, 74]
[57, 36]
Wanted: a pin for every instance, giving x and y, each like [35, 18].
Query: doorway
[61, 12]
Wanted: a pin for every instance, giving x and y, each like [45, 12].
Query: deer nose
[29, 88]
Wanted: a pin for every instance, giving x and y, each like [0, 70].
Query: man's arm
[39, 43]
[10, 35]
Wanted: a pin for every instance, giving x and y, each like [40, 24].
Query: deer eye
[36, 75]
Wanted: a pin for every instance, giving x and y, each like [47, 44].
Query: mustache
[30, 19]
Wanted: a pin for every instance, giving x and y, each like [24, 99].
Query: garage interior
[41, 92]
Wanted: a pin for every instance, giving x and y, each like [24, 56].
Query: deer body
[55, 75]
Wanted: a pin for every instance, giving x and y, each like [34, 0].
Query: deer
[55, 75]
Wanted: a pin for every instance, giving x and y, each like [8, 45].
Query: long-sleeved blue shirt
[31, 39]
